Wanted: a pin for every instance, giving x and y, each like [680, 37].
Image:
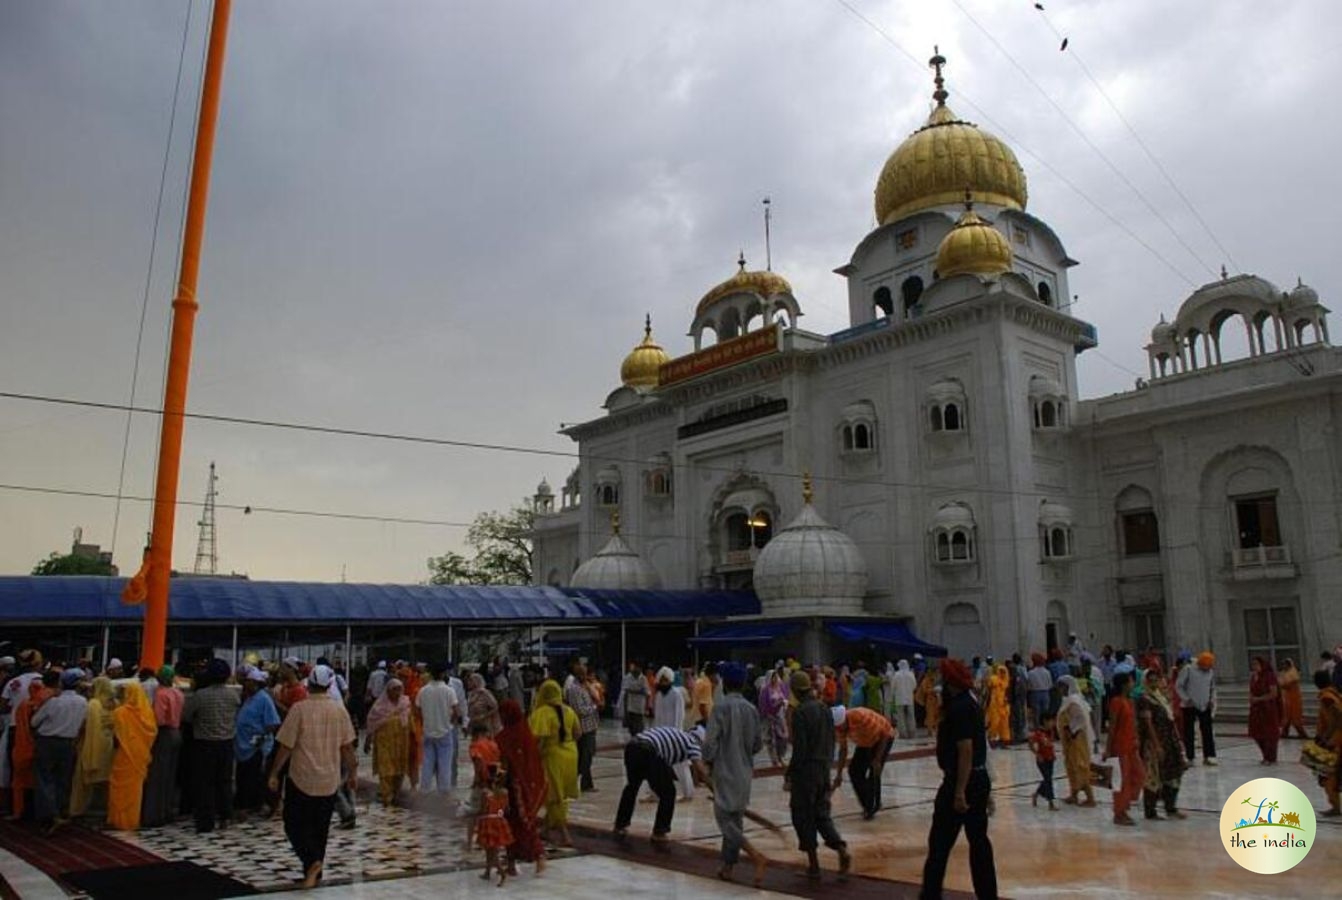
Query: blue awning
[889, 635]
[74, 598]
[762, 632]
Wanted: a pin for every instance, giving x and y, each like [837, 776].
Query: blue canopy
[760, 632]
[890, 635]
[75, 598]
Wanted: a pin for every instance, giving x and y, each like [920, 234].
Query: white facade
[995, 510]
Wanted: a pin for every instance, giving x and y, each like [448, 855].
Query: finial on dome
[1224, 273]
[741, 261]
[969, 200]
[615, 521]
[647, 325]
[806, 493]
[936, 62]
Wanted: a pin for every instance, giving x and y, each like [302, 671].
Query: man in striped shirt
[649, 756]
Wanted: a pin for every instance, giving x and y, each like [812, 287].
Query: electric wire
[1022, 147]
[149, 272]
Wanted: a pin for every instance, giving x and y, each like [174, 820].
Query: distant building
[975, 497]
[91, 551]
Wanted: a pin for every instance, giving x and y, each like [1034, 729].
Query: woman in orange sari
[413, 681]
[1292, 705]
[527, 787]
[23, 780]
[134, 727]
[999, 707]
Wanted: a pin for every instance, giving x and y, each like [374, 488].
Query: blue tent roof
[761, 632]
[890, 635]
[75, 598]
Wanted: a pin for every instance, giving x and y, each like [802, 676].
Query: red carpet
[71, 849]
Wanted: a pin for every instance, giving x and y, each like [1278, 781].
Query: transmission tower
[207, 550]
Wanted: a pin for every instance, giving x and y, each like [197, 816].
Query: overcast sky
[449, 219]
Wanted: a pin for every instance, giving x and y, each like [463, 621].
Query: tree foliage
[70, 564]
[500, 547]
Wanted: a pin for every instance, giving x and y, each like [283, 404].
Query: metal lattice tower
[207, 549]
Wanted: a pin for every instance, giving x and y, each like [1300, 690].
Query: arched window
[911, 291]
[1045, 293]
[738, 532]
[1048, 414]
[610, 495]
[1055, 531]
[959, 545]
[861, 436]
[857, 429]
[937, 421]
[1058, 543]
[882, 301]
[943, 547]
[953, 534]
[951, 417]
[847, 437]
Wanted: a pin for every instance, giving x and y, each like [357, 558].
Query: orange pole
[184, 308]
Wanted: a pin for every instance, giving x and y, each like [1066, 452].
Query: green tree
[500, 546]
[70, 564]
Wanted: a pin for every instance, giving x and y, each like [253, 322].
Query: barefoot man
[733, 739]
[807, 778]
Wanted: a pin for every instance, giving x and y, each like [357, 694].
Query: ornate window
[954, 535]
[945, 405]
[1055, 532]
[883, 302]
[608, 487]
[1048, 403]
[657, 479]
[1139, 529]
[857, 429]
[911, 291]
[572, 491]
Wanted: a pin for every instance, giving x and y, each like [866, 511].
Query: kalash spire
[947, 156]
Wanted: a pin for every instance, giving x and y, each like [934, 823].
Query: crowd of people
[141, 748]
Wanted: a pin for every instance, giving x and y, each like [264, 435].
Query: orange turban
[1206, 659]
[956, 673]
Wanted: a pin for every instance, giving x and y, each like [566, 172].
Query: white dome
[543, 489]
[810, 566]
[1301, 296]
[1163, 333]
[616, 567]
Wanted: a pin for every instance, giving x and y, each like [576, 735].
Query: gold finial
[647, 326]
[806, 493]
[615, 521]
[937, 62]
[1224, 274]
[969, 200]
[741, 261]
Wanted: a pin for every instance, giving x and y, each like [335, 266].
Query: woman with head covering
[555, 726]
[23, 751]
[998, 714]
[93, 764]
[480, 703]
[389, 737]
[1162, 752]
[160, 785]
[1264, 709]
[773, 705]
[134, 726]
[1292, 704]
[1075, 735]
[526, 785]
[928, 696]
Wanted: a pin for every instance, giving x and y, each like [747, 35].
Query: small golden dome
[766, 284]
[935, 164]
[642, 367]
[973, 247]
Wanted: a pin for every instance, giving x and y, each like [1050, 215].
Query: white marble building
[991, 508]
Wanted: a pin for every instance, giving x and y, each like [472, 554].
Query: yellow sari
[999, 709]
[93, 764]
[135, 728]
[556, 727]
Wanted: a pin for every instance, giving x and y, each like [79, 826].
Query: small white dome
[1163, 333]
[952, 516]
[616, 567]
[1301, 296]
[543, 489]
[810, 566]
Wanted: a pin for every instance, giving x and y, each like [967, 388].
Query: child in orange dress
[484, 758]
[491, 827]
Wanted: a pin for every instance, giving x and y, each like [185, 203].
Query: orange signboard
[719, 356]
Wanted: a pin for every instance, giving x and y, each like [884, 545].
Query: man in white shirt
[441, 709]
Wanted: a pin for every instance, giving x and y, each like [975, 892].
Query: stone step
[1232, 704]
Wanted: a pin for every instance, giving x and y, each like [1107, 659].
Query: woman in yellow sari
[389, 735]
[555, 726]
[93, 765]
[135, 728]
[999, 706]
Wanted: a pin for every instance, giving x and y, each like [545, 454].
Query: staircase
[1232, 703]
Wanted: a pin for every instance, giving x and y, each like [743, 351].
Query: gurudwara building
[961, 487]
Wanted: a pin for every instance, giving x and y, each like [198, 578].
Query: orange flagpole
[184, 308]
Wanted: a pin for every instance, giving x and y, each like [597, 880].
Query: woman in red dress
[1264, 709]
[492, 832]
[526, 786]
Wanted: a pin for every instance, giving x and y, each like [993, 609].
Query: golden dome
[938, 162]
[766, 284]
[642, 367]
[973, 247]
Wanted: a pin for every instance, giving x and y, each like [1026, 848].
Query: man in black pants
[649, 756]
[212, 711]
[962, 800]
[807, 778]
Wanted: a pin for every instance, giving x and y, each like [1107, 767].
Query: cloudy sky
[448, 219]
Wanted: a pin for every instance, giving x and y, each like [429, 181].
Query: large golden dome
[940, 161]
[642, 367]
[766, 284]
[973, 247]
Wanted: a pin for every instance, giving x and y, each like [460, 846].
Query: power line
[1155, 161]
[1020, 145]
[1084, 137]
